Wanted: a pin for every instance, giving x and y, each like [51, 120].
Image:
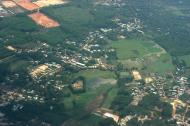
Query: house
[136, 75]
[44, 69]
[11, 48]
[107, 113]
[78, 86]
[110, 115]
[39, 70]
[148, 80]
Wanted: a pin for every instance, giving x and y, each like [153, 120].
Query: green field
[110, 97]
[143, 54]
[84, 98]
[133, 48]
[90, 94]
[186, 59]
[162, 64]
[94, 74]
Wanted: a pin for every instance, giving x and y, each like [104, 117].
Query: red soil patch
[26, 4]
[43, 20]
[22, 0]
[8, 4]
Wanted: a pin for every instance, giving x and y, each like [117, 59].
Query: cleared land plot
[22, 0]
[27, 5]
[8, 4]
[43, 20]
[3, 12]
[12, 7]
[45, 3]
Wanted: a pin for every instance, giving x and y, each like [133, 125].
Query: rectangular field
[43, 20]
[22, 0]
[26, 4]
[44, 3]
[8, 4]
[94, 74]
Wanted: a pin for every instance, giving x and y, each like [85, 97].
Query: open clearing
[97, 78]
[11, 7]
[26, 4]
[45, 3]
[143, 54]
[96, 74]
[8, 4]
[133, 48]
[162, 64]
[84, 98]
[43, 20]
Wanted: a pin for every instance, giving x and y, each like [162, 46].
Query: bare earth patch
[43, 20]
[8, 4]
[26, 4]
[44, 3]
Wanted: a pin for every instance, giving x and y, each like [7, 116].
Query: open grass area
[162, 64]
[84, 98]
[143, 54]
[110, 97]
[186, 59]
[133, 48]
[94, 74]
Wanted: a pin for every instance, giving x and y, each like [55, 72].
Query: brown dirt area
[26, 4]
[43, 20]
[8, 4]
[44, 3]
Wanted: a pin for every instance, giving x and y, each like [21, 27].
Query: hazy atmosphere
[94, 62]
